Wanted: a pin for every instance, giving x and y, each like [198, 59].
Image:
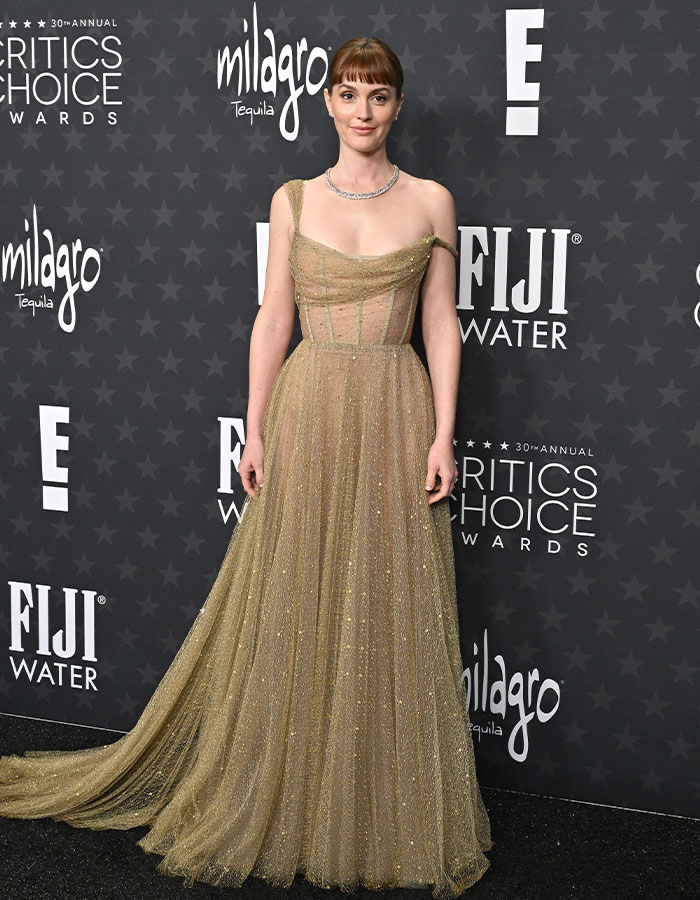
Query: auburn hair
[365, 59]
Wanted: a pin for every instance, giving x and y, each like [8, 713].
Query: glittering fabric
[314, 719]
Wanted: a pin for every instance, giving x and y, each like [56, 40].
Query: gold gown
[314, 719]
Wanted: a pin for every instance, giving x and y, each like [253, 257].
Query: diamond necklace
[353, 196]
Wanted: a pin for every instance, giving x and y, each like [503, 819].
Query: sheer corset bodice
[351, 299]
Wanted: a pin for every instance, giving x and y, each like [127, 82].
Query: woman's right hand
[250, 468]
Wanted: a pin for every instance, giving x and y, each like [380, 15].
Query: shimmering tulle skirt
[314, 719]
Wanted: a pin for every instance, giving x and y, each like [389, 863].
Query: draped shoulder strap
[295, 192]
[447, 245]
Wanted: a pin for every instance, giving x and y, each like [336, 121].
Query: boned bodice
[354, 299]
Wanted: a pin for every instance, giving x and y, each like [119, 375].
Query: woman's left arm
[443, 343]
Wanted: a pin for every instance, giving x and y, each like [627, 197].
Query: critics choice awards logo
[46, 74]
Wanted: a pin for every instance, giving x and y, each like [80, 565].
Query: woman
[314, 719]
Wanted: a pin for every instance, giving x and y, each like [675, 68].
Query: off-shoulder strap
[447, 245]
[295, 192]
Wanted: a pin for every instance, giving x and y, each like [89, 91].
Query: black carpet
[545, 849]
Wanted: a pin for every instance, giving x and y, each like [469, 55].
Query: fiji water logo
[41, 268]
[529, 696]
[528, 313]
[269, 68]
[38, 653]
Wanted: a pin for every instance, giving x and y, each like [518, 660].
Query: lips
[362, 130]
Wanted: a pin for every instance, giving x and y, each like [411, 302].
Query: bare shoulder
[280, 210]
[438, 204]
[433, 194]
[318, 179]
[280, 200]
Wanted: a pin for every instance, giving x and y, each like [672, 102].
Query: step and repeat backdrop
[139, 155]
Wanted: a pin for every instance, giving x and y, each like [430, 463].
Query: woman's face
[363, 113]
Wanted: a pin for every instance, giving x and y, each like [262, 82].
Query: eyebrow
[383, 88]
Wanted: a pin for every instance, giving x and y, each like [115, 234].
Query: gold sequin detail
[314, 719]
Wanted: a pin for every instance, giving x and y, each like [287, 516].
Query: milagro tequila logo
[498, 693]
[520, 315]
[59, 71]
[41, 264]
[58, 657]
[286, 65]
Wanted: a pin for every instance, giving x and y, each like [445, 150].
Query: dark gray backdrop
[596, 634]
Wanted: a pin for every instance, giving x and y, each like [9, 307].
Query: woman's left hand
[442, 463]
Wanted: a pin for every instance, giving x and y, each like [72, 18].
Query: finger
[434, 495]
[444, 490]
[245, 479]
[448, 481]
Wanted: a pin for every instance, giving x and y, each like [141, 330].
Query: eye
[349, 94]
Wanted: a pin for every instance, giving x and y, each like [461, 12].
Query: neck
[361, 172]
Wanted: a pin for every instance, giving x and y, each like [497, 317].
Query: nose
[364, 112]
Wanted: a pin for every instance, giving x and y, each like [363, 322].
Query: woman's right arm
[270, 337]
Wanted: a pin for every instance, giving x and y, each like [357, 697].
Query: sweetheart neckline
[364, 255]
